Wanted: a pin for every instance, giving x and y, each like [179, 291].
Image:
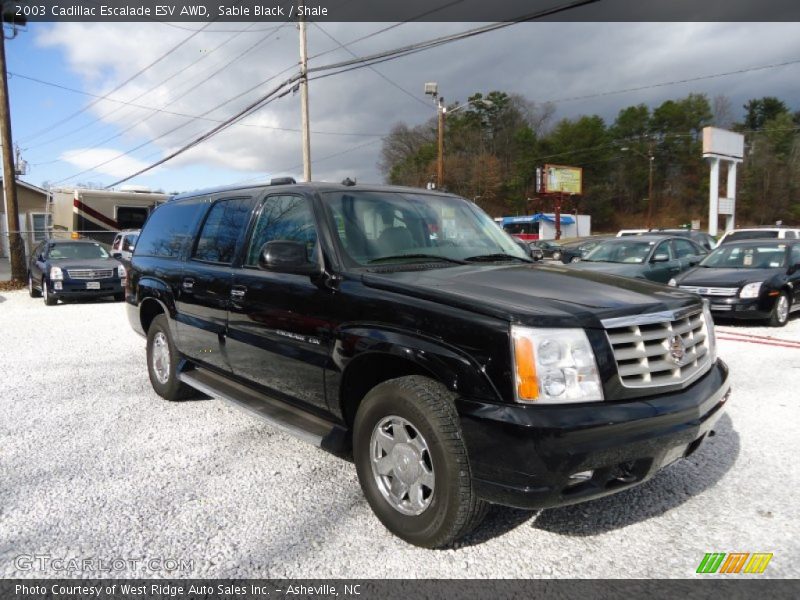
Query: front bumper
[528, 456]
[77, 288]
[738, 308]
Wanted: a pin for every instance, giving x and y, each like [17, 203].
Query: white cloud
[118, 166]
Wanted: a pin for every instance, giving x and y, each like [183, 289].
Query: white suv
[124, 242]
[754, 233]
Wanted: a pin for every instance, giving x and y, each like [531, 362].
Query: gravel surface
[94, 465]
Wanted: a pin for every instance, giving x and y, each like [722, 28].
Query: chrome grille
[90, 273]
[710, 291]
[647, 348]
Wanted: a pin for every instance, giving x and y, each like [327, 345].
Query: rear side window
[684, 248]
[224, 225]
[169, 227]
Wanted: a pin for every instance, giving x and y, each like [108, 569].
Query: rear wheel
[780, 312]
[575, 259]
[556, 255]
[162, 362]
[49, 298]
[412, 463]
[32, 291]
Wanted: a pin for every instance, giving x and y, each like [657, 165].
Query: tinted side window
[795, 256]
[684, 248]
[663, 248]
[285, 218]
[225, 223]
[168, 228]
[790, 235]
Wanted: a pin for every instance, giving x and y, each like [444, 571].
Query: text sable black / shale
[371, 11]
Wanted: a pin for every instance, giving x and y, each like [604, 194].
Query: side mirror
[660, 258]
[794, 269]
[693, 260]
[117, 255]
[286, 257]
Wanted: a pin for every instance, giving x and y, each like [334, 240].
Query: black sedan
[575, 250]
[758, 279]
[73, 269]
[549, 248]
[654, 257]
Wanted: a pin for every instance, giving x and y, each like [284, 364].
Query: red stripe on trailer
[95, 215]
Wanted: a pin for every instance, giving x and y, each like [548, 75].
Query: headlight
[712, 338]
[751, 290]
[672, 282]
[56, 274]
[121, 272]
[553, 366]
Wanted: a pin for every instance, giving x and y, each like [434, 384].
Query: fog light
[58, 285]
[581, 477]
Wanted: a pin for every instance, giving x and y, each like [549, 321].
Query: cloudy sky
[65, 142]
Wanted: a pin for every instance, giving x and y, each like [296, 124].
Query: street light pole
[440, 152]
[650, 156]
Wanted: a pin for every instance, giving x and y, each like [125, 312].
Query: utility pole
[304, 98]
[15, 245]
[651, 159]
[440, 153]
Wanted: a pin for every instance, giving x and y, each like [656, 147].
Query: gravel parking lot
[94, 465]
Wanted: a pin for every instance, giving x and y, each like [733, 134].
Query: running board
[281, 415]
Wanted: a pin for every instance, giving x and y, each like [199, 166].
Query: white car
[754, 233]
[124, 243]
[625, 232]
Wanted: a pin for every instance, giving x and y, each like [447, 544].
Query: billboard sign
[560, 178]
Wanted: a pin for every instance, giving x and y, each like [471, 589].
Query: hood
[711, 277]
[553, 295]
[85, 263]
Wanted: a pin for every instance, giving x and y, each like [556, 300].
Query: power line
[355, 63]
[373, 69]
[118, 87]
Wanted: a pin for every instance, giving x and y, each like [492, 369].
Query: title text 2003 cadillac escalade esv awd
[405, 325]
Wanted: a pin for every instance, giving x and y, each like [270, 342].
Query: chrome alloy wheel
[160, 357]
[402, 465]
[782, 310]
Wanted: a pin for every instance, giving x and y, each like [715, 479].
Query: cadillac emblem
[677, 349]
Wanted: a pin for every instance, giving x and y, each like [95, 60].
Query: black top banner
[22, 11]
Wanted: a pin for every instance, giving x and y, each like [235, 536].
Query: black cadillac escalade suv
[405, 325]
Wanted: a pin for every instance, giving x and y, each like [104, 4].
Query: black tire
[171, 387]
[32, 291]
[119, 297]
[453, 509]
[776, 319]
[574, 259]
[50, 299]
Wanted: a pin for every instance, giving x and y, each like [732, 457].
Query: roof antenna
[348, 182]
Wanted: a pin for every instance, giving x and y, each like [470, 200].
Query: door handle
[188, 284]
[238, 291]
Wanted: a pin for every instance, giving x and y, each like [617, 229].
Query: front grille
[710, 291]
[656, 350]
[90, 273]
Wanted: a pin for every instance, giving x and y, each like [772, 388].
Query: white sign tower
[721, 145]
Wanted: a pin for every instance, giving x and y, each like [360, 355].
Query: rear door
[278, 322]
[205, 286]
[687, 253]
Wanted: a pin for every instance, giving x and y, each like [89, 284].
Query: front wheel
[163, 361]
[556, 255]
[412, 463]
[780, 312]
[32, 291]
[49, 298]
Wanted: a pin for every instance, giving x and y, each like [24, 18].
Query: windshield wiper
[427, 256]
[495, 257]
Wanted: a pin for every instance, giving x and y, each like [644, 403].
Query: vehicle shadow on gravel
[666, 491]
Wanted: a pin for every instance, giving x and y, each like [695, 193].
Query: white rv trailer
[99, 214]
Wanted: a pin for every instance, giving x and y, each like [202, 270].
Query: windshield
[385, 227]
[81, 251]
[761, 256]
[620, 252]
[751, 235]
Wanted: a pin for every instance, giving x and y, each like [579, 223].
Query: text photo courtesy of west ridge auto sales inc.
[352, 299]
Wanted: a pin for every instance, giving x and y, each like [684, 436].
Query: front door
[205, 284]
[664, 270]
[277, 327]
